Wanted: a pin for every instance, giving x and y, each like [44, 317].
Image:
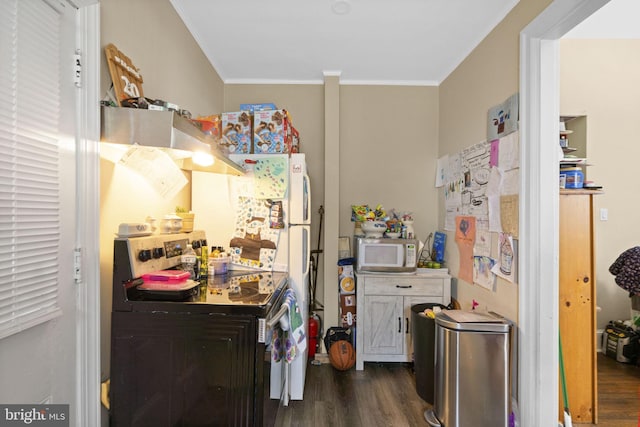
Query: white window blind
[29, 164]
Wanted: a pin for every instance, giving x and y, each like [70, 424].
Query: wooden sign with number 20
[126, 78]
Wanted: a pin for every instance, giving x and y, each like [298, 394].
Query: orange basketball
[342, 355]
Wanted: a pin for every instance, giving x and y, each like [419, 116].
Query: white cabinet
[384, 312]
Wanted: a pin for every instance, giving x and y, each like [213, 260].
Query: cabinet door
[383, 325]
[172, 369]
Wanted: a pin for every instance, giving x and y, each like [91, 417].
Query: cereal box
[347, 310]
[269, 131]
[293, 138]
[257, 107]
[236, 132]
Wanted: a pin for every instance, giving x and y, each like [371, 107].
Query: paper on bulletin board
[482, 274]
[455, 167]
[442, 171]
[509, 216]
[493, 196]
[509, 151]
[503, 185]
[477, 171]
[506, 265]
[495, 144]
[510, 182]
[453, 185]
[452, 203]
[482, 246]
[465, 237]
[157, 168]
[466, 183]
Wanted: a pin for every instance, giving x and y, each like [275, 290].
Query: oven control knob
[158, 253]
[144, 255]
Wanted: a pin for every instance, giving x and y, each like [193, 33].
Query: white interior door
[42, 363]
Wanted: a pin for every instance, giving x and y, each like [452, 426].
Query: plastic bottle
[189, 261]
[211, 270]
[409, 230]
[204, 258]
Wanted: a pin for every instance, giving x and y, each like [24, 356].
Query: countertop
[237, 292]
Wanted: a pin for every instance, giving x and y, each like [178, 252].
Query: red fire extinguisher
[314, 327]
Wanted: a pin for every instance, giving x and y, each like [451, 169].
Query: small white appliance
[382, 255]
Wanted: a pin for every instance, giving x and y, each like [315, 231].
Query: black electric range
[193, 358]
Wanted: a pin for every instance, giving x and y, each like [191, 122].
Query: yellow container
[187, 221]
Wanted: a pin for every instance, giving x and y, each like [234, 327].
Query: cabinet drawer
[403, 286]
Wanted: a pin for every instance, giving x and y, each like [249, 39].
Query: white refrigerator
[217, 201]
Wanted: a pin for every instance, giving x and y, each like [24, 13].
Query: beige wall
[174, 69]
[388, 149]
[388, 152]
[487, 77]
[599, 79]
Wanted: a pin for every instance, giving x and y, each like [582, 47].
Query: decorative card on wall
[254, 243]
[503, 118]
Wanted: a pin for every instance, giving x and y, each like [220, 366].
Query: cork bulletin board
[126, 78]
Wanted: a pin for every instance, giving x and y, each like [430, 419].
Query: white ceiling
[617, 19]
[402, 42]
[407, 42]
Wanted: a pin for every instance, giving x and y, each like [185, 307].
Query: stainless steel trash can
[472, 370]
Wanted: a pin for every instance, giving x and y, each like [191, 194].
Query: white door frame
[88, 412]
[538, 298]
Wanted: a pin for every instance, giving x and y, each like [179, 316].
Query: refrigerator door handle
[307, 196]
[307, 230]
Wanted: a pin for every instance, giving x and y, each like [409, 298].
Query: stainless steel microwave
[386, 255]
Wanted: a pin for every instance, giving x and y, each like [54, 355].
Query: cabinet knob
[404, 286]
[406, 330]
[585, 279]
[399, 324]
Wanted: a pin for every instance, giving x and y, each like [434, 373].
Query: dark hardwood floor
[618, 394]
[384, 394]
